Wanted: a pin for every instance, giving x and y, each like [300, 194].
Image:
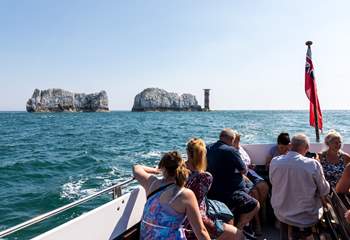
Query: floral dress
[332, 172]
[160, 220]
[199, 183]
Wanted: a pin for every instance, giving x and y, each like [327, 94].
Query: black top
[225, 164]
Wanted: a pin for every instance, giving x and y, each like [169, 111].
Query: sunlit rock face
[155, 99]
[59, 100]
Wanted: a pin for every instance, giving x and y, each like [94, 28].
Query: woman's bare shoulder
[188, 194]
[345, 154]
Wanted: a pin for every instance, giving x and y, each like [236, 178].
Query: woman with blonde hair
[333, 159]
[168, 202]
[199, 181]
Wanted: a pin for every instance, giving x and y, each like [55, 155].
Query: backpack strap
[158, 189]
[176, 195]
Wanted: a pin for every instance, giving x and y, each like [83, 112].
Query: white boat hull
[105, 222]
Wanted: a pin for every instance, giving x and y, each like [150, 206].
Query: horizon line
[213, 110]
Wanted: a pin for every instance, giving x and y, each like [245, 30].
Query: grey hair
[227, 133]
[300, 140]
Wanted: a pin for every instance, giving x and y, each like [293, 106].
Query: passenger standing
[168, 202]
[199, 181]
[298, 185]
[333, 160]
[227, 169]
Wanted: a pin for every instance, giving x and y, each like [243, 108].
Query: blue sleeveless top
[160, 220]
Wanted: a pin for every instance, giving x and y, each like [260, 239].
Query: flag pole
[308, 44]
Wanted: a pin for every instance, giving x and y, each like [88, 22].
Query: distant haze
[250, 53]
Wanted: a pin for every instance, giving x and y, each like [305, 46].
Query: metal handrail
[116, 193]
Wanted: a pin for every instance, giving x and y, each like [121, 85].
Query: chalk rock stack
[59, 100]
[155, 99]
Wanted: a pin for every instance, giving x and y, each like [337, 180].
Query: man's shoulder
[297, 160]
[219, 146]
[279, 158]
[211, 146]
[273, 148]
[311, 162]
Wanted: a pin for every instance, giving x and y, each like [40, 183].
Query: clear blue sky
[251, 53]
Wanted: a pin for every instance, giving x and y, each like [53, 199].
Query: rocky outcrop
[59, 100]
[155, 99]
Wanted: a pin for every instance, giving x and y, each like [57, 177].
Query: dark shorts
[291, 232]
[241, 202]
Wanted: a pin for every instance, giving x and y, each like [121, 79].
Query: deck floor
[269, 233]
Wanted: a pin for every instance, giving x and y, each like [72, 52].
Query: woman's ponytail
[175, 167]
[181, 174]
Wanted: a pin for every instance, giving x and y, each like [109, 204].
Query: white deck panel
[258, 152]
[105, 222]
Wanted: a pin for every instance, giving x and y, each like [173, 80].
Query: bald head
[300, 143]
[227, 135]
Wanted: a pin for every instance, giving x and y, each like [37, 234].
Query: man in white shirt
[298, 184]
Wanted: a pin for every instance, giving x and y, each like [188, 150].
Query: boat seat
[340, 203]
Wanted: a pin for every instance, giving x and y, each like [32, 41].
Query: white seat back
[259, 152]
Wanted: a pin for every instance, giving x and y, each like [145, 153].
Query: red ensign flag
[311, 91]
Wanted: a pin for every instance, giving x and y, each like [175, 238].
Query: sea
[48, 160]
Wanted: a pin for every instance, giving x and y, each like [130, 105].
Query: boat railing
[115, 190]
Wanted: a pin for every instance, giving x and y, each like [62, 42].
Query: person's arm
[268, 161]
[317, 156]
[270, 156]
[343, 184]
[144, 175]
[248, 159]
[238, 162]
[320, 181]
[346, 158]
[347, 216]
[194, 216]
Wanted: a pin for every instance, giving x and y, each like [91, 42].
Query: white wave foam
[115, 171]
[72, 190]
[151, 154]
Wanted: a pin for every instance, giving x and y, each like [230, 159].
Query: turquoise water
[51, 159]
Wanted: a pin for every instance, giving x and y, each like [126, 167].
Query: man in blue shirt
[227, 168]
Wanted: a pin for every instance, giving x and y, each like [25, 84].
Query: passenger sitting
[298, 186]
[199, 181]
[282, 147]
[260, 188]
[227, 169]
[333, 160]
[343, 185]
[168, 202]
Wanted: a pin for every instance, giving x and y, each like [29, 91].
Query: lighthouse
[206, 100]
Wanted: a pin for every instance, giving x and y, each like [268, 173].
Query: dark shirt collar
[221, 142]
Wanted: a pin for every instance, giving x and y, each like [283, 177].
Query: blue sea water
[51, 159]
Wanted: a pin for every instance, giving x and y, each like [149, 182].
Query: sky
[250, 53]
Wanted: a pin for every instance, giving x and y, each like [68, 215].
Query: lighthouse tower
[206, 100]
